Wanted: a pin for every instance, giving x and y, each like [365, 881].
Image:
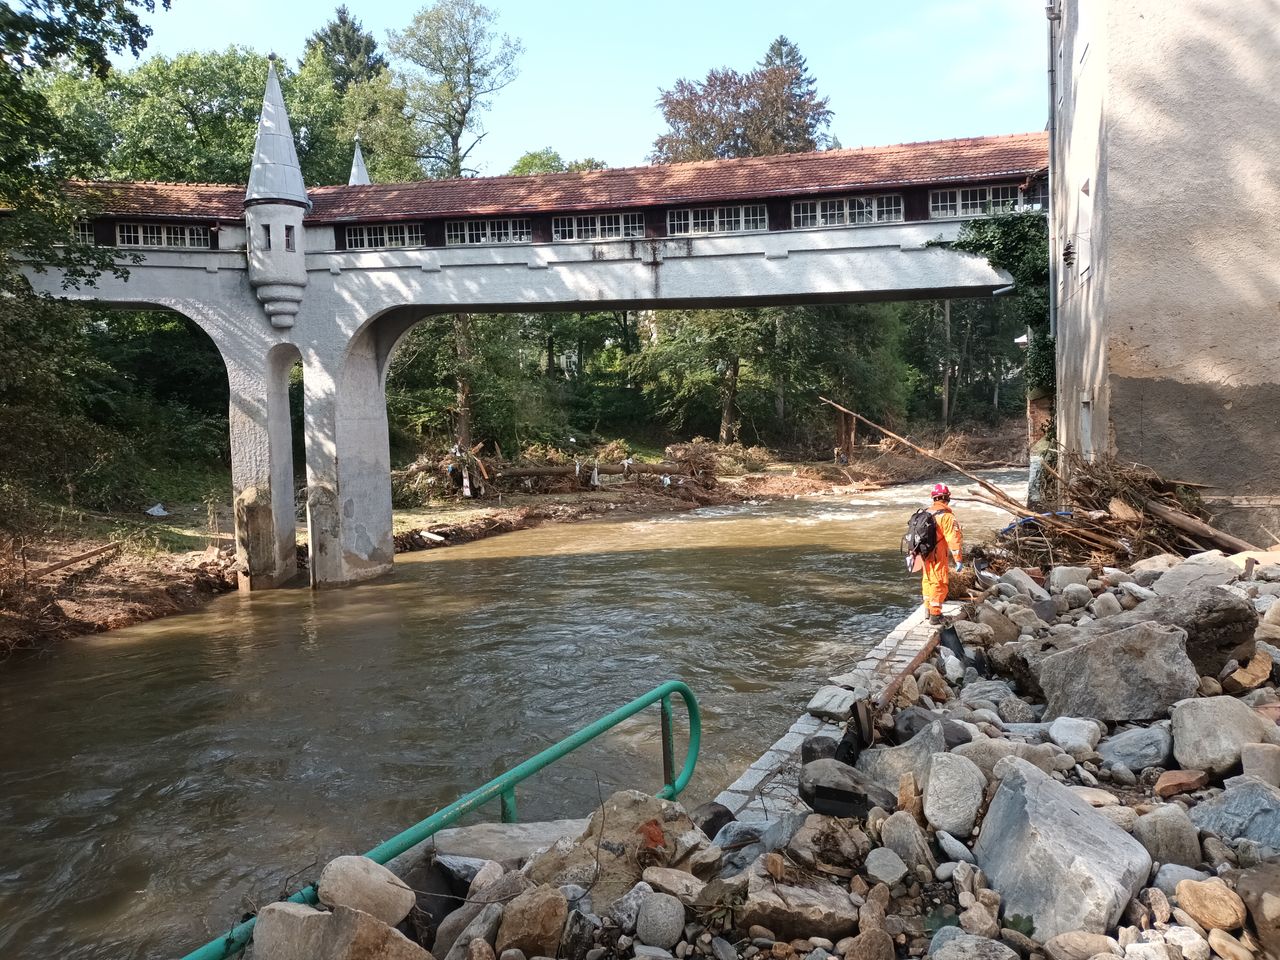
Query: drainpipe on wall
[1054, 15]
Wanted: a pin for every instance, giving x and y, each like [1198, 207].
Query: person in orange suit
[936, 576]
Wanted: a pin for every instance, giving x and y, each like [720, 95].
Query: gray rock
[832, 703]
[361, 884]
[986, 753]
[823, 778]
[1192, 945]
[1105, 605]
[944, 936]
[1207, 569]
[503, 841]
[820, 746]
[1133, 674]
[1078, 945]
[1169, 836]
[722, 949]
[660, 922]
[1248, 809]
[1139, 747]
[353, 933]
[1015, 710]
[1004, 629]
[1257, 887]
[809, 907]
[967, 947]
[1171, 874]
[885, 765]
[507, 887]
[1209, 732]
[626, 909]
[885, 866]
[484, 926]
[289, 931]
[743, 841]
[1262, 761]
[995, 691]
[953, 848]
[1078, 596]
[1077, 737]
[1027, 619]
[1021, 581]
[912, 720]
[1061, 577]
[901, 834]
[953, 793]
[643, 951]
[1123, 817]
[1053, 858]
[1137, 591]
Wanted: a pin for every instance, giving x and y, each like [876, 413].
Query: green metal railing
[503, 789]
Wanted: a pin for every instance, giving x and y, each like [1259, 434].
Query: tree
[456, 64]
[770, 110]
[547, 160]
[350, 51]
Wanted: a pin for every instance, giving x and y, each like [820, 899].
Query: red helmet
[940, 491]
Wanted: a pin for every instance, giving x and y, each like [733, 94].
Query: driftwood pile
[1109, 514]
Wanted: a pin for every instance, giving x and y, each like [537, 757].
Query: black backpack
[921, 538]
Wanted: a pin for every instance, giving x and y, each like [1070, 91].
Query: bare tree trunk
[946, 363]
[462, 347]
[729, 397]
[551, 355]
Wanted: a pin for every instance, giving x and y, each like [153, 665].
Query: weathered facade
[332, 277]
[1166, 167]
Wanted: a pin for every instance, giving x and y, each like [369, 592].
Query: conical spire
[359, 173]
[276, 175]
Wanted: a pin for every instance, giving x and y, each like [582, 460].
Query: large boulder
[886, 765]
[830, 841]
[452, 928]
[1209, 569]
[825, 781]
[988, 751]
[953, 793]
[1248, 809]
[967, 947]
[632, 830]
[361, 884]
[1021, 581]
[1003, 629]
[289, 931]
[1053, 858]
[1139, 747]
[900, 833]
[912, 720]
[355, 935]
[1219, 623]
[1209, 732]
[1133, 674]
[803, 906]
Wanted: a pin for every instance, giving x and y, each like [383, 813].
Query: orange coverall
[933, 584]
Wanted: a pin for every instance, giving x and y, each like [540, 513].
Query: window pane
[455, 231]
[521, 231]
[861, 209]
[889, 208]
[804, 213]
[704, 220]
[152, 235]
[610, 225]
[377, 236]
[1036, 197]
[288, 237]
[175, 236]
[677, 221]
[413, 236]
[730, 218]
[943, 203]
[395, 235]
[755, 217]
[633, 224]
[198, 236]
[586, 227]
[127, 234]
[973, 201]
[475, 231]
[562, 228]
[1003, 198]
[831, 213]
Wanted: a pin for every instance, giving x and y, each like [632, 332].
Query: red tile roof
[831, 171]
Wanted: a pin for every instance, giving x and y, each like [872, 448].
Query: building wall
[1169, 322]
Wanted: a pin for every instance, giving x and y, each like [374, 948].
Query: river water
[161, 780]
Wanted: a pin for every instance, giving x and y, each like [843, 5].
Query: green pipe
[503, 789]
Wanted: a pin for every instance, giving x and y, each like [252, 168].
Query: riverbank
[175, 564]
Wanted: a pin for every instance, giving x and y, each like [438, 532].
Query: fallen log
[1198, 529]
[585, 469]
[87, 555]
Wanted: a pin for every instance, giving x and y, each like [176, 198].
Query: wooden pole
[96, 551]
[1197, 528]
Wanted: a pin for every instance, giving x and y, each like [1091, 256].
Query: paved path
[767, 789]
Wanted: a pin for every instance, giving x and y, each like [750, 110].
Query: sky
[592, 70]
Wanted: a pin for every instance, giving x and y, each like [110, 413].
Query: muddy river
[159, 781]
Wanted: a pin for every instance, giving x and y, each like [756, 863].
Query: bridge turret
[274, 205]
[359, 172]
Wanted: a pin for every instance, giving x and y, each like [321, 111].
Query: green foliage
[772, 109]
[547, 160]
[1041, 369]
[452, 65]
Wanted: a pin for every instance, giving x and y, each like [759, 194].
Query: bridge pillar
[348, 467]
[262, 467]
